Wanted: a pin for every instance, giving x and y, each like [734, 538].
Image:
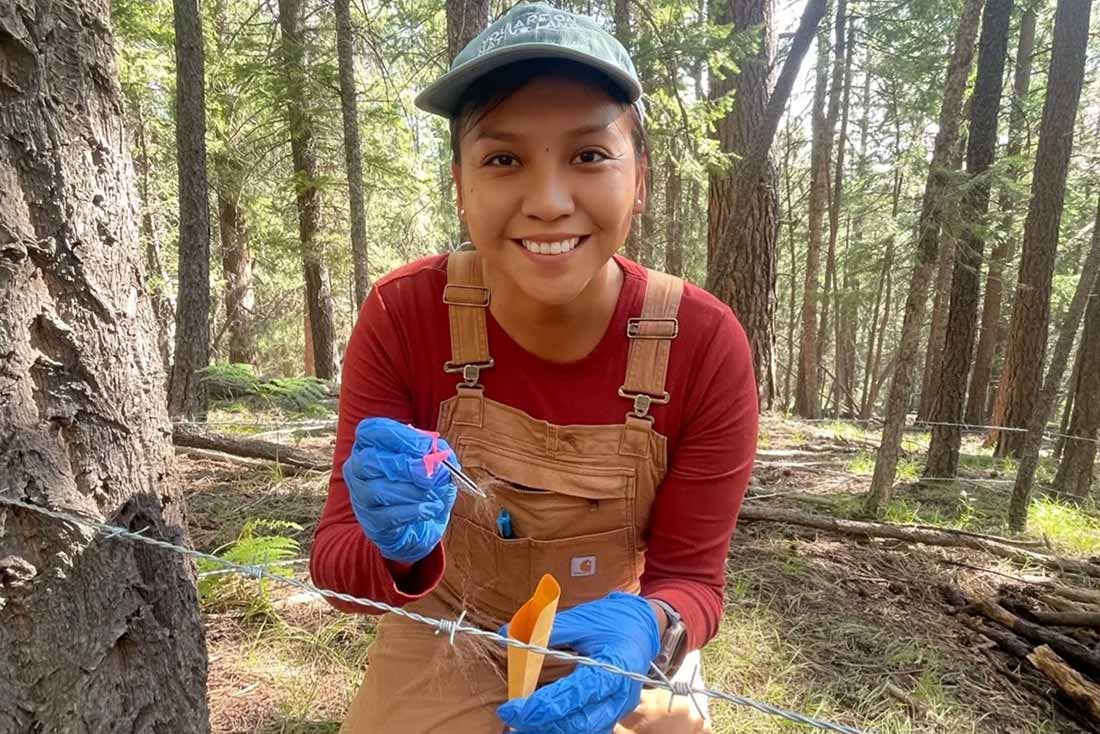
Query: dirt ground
[856, 631]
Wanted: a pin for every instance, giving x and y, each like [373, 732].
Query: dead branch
[1070, 648]
[239, 462]
[190, 436]
[1075, 685]
[937, 537]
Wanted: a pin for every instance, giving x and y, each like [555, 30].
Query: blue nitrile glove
[620, 629]
[402, 496]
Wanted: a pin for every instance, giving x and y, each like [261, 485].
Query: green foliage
[260, 543]
[232, 384]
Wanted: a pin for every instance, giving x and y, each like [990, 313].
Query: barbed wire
[449, 627]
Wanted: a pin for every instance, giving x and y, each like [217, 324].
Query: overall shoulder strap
[467, 298]
[651, 337]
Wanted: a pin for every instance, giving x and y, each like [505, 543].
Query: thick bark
[1019, 386]
[928, 230]
[96, 635]
[318, 287]
[1029, 458]
[806, 390]
[186, 394]
[1079, 457]
[742, 213]
[753, 297]
[353, 154]
[943, 454]
[991, 339]
[465, 19]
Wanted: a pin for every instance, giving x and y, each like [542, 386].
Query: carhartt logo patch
[582, 566]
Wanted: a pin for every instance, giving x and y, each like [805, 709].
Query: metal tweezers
[464, 482]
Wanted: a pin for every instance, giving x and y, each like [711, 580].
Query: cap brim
[442, 96]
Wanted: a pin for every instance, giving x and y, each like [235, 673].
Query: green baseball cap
[532, 31]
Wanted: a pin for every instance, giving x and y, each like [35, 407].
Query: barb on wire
[447, 626]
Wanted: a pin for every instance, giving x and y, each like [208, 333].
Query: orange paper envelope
[532, 624]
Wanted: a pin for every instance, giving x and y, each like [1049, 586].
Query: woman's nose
[548, 196]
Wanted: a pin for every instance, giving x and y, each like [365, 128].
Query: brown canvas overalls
[579, 498]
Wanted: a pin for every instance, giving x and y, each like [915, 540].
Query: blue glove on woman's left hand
[620, 629]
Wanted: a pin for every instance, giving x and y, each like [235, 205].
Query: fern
[260, 543]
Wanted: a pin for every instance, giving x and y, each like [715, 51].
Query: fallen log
[938, 537]
[1073, 684]
[1072, 592]
[1005, 640]
[189, 435]
[1069, 619]
[238, 462]
[1077, 653]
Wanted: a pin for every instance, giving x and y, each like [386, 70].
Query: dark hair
[496, 86]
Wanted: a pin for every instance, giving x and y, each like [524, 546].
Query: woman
[609, 411]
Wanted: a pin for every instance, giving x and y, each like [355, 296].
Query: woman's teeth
[551, 248]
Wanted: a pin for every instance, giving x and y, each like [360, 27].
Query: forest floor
[853, 630]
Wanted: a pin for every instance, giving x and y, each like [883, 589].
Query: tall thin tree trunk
[937, 330]
[353, 154]
[805, 400]
[465, 19]
[318, 287]
[991, 339]
[928, 229]
[792, 278]
[1029, 456]
[1075, 470]
[186, 391]
[1019, 386]
[943, 454]
[843, 352]
[97, 635]
[230, 173]
[156, 277]
[673, 213]
[1072, 390]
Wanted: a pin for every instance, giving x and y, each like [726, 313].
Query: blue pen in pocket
[504, 524]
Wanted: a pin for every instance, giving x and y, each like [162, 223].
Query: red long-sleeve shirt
[393, 368]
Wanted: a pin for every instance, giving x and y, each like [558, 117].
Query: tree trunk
[318, 287]
[673, 215]
[789, 211]
[937, 330]
[465, 19]
[991, 339]
[230, 173]
[1075, 469]
[632, 248]
[805, 396]
[1029, 459]
[353, 154]
[943, 454]
[98, 635]
[1019, 386]
[1069, 404]
[186, 393]
[928, 229]
[156, 278]
[844, 348]
[742, 222]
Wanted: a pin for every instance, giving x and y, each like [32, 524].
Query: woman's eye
[590, 156]
[502, 159]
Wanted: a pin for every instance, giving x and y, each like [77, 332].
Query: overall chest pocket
[573, 520]
[549, 499]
